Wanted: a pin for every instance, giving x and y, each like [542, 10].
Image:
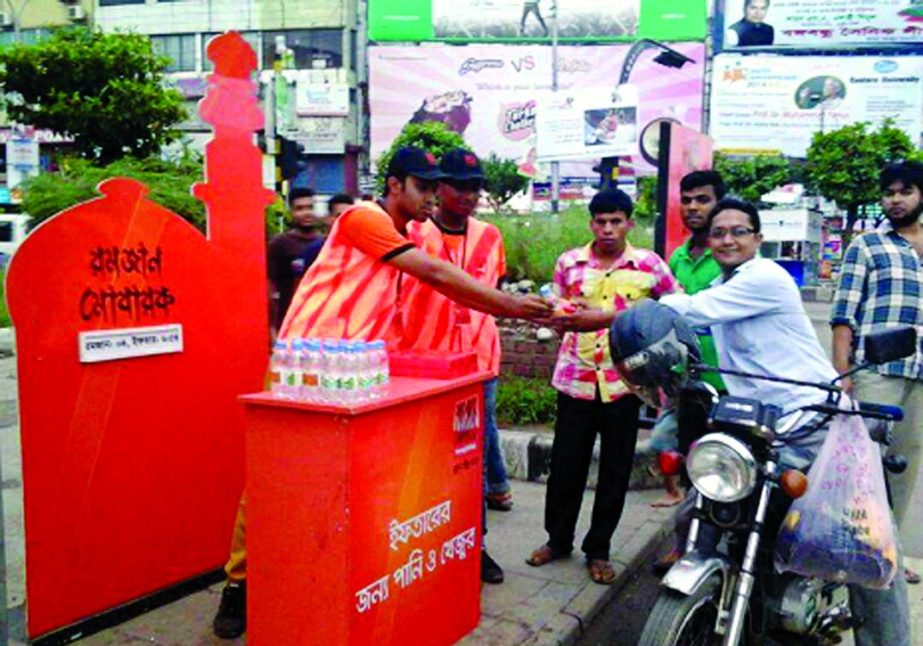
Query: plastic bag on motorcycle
[841, 529]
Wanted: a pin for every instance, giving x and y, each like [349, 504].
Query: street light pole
[555, 167]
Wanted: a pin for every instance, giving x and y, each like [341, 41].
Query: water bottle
[364, 371]
[310, 370]
[349, 377]
[277, 368]
[330, 371]
[293, 372]
[379, 361]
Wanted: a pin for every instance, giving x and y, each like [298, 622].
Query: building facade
[310, 54]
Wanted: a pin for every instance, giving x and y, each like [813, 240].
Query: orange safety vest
[431, 322]
[346, 294]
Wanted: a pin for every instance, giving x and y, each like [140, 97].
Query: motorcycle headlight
[722, 468]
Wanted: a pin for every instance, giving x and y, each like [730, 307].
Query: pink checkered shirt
[583, 359]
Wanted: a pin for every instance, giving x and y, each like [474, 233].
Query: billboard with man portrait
[817, 24]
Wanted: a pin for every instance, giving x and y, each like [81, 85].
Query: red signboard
[135, 334]
[682, 150]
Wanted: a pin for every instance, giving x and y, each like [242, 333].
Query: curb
[527, 455]
[7, 342]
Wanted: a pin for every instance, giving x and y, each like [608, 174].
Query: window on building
[24, 36]
[252, 37]
[112, 3]
[179, 48]
[353, 50]
[313, 47]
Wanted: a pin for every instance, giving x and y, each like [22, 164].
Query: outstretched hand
[530, 306]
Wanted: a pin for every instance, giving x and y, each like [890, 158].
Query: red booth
[364, 520]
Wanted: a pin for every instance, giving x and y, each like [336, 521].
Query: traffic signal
[289, 152]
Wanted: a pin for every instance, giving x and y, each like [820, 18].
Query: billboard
[816, 24]
[587, 123]
[519, 20]
[488, 93]
[772, 103]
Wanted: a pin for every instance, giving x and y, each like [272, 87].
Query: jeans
[578, 423]
[495, 478]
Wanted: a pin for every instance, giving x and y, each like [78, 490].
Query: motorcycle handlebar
[872, 411]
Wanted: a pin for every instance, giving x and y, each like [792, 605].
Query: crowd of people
[420, 270]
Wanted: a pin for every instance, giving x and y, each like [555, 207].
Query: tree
[429, 135]
[503, 181]
[843, 165]
[168, 180]
[105, 91]
[752, 177]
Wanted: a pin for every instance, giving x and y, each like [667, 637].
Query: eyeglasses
[736, 232]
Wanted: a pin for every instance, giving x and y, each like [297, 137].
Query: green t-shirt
[696, 274]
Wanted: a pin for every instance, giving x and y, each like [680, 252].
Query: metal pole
[555, 168]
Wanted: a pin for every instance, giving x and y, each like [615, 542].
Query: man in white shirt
[760, 326]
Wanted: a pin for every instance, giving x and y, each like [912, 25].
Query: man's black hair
[340, 198]
[909, 173]
[298, 193]
[736, 204]
[747, 4]
[703, 178]
[611, 201]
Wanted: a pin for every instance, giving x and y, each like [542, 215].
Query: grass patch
[525, 401]
[534, 242]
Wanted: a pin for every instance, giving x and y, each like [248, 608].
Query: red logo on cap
[431, 158]
[471, 160]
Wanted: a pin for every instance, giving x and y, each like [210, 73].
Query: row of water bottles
[329, 371]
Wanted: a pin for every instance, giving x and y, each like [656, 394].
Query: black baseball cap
[416, 162]
[461, 165]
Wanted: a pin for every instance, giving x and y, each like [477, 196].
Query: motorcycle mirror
[890, 345]
[670, 462]
[794, 483]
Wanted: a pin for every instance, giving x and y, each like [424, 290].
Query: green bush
[4, 313]
[525, 401]
[433, 136]
[534, 242]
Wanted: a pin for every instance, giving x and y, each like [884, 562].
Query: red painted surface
[689, 151]
[132, 468]
[326, 485]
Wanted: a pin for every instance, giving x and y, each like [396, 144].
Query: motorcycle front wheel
[680, 620]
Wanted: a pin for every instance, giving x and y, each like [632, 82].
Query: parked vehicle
[732, 595]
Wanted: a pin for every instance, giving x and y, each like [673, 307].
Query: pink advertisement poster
[488, 93]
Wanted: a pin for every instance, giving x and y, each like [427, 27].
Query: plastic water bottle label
[275, 377]
[348, 383]
[293, 378]
[328, 382]
[310, 380]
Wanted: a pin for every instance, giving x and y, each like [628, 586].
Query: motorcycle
[733, 595]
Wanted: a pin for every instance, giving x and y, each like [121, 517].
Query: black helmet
[652, 347]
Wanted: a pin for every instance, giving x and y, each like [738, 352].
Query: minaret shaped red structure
[135, 334]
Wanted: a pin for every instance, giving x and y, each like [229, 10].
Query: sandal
[543, 556]
[911, 577]
[601, 571]
[500, 501]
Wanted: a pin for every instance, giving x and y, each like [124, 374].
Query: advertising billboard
[587, 123]
[817, 24]
[521, 20]
[489, 93]
[772, 103]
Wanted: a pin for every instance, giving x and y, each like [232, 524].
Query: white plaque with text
[125, 343]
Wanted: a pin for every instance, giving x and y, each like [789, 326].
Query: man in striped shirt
[610, 275]
[881, 286]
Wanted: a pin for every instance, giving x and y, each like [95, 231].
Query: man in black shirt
[751, 31]
[291, 253]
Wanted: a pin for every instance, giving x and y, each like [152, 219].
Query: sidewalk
[547, 605]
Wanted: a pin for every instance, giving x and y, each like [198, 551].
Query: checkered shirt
[584, 362]
[881, 285]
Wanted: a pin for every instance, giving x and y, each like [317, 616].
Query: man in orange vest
[351, 292]
[430, 322]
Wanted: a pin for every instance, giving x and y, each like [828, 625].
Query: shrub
[525, 401]
[534, 242]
